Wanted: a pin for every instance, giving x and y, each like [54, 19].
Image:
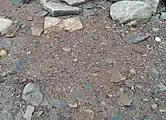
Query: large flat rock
[57, 9]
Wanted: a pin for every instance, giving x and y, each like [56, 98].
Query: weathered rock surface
[131, 12]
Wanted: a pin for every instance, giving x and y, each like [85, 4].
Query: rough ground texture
[96, 51]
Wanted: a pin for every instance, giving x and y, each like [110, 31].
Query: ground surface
[96, 51]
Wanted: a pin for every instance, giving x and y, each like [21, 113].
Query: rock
[155, 18]
[124, 100]
[3, 53]
[66, 49]
[162, 110]
[116, 77]
[17, 2]
[59, 104]
[32, 94]
[38, 113]
[157, 39]
[74, 2]
[42, 14]
[28, 114]
[135, 39]
[161, 87]
[154, 4]
[57, 9]
[37, 30]
[154, 106]
[72, 24]
[11, 30]
[43, 1]
[5, 23]
[131, 12]
[4, 74]
[163, 16]
[50, 22]
[129, 83]
[29, 17]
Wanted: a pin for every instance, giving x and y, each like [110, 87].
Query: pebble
[4, 74]
[75, 60]
[132, 71]
[38, 113]
[154, 106]
[5, 23]
[37, 30]
[135, 39]
[66, 49]
[162, 110]
[3, 53]
[124, 100]
[157, 39]
[30, 18]
[116, 77]
[129, 83]
[29, 110]
[32, 94]
[59, 104]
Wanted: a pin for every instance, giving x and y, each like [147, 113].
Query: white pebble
[154, 106]
[157, 39]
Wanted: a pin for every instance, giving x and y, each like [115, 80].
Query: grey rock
[74, 2]
[116, 77]
[135, 39]
[124, 100]
[32, 93]
[163, 16]
[6, 43]
[59, 104]
[57, 9]
[5, 24]
[129, 83]
[154, 4]
[155, 18]
[161, 87]
[131, 12]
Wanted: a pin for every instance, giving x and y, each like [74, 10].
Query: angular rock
[3, 53]
[32, 94]
[135, 39]
[131, 12]
[163, 16]
[28, 114]
[116, 77]
[72, 24]
[59, 104]
[124, 100]
[74, 2]
[5, 23]
[154, 4]
[37, 30]
[129, 83]
[57, 9]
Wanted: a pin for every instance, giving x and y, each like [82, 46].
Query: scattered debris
[116, 77]
[135, 39]
[3, 53]
[57, 9]
[28, 114]
[157, 39]
[37, 30]
[74, 2]
[59, 104]
[131, 12]
[32, 94]
[124, 100]
[163, 16]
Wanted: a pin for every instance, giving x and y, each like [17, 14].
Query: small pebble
[132, 71]
[75, 60]
[157, 39]
[4, 74]
[3, 53]
[154, 106]
[132, 107]
[129, 83]
[66, 49]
